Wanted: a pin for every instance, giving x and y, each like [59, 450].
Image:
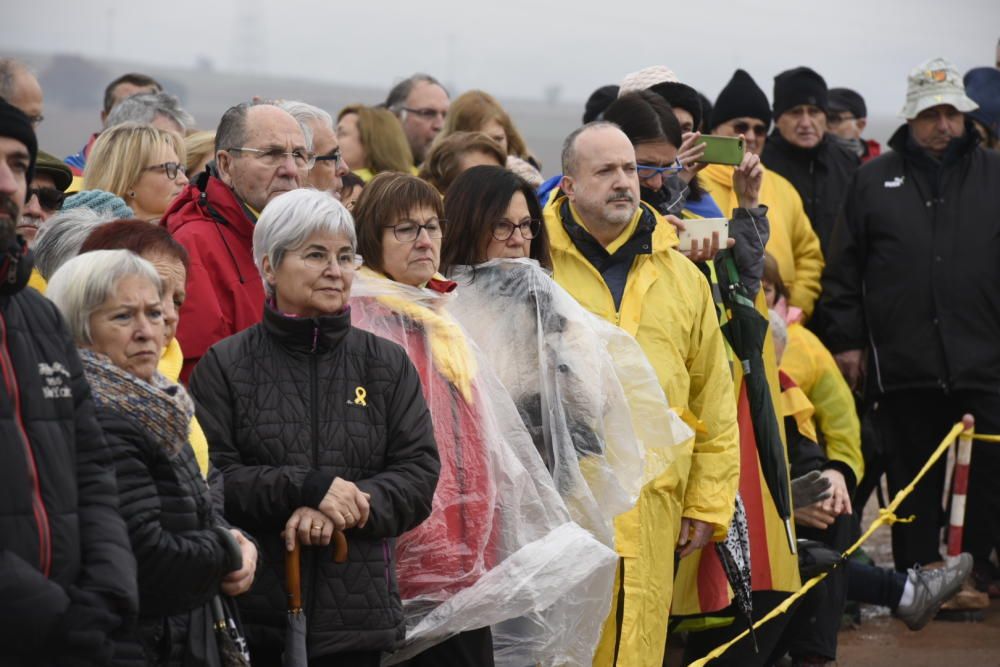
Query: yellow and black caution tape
[886, 516]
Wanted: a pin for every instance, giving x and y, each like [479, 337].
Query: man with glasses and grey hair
[261, 151]
[330, 168]
[421, 103]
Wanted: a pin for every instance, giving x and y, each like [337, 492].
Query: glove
[810, 488]
[82, 637]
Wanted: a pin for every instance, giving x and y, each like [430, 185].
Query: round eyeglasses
[504, 229]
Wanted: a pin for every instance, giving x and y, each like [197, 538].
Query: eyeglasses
[426, 114]
[50, 199]
[335, 157]
[649, 171]
[407, 231]
[36, 120]
[274, 157]
[503, 230]
[744, 128]
[171, 169]
[837, 118]
[318, 260]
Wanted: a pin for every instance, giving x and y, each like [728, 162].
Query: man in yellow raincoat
[742, 109]
[617, 258]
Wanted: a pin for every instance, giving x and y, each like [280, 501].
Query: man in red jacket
[260, 152]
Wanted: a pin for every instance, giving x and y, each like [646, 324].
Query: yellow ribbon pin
[359, 396]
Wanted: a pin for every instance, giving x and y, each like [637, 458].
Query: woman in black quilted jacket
[317, 425]
[112, 300]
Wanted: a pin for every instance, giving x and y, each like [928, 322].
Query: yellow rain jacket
[793, 243]
[810, 364]
[170, 367]
[667, 305]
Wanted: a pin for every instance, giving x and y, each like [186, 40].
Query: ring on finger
[316, 528]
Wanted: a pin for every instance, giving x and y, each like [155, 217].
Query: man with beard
[616, 257]
[67, 575]
[260, 152]
[46, 195]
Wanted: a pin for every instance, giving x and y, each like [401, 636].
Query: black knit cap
[682, 96]
[598, 101]
[799, 86]
[845, 99]
[14, 124]
[741, 97]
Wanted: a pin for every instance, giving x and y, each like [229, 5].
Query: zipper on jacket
[385, 552]
[37, 505]
[314, 435]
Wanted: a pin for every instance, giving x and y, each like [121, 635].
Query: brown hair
[137, 236]
[385, 199]
[443, 162]
[471, 110]
[386, 145]
[773, 275]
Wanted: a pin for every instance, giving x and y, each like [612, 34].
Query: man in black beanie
[67, 574]
[800, 150]
[742, 109]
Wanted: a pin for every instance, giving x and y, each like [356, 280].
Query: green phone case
[722, 150]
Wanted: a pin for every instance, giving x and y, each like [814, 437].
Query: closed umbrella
[296, 653]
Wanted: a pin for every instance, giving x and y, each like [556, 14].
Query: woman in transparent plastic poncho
[499, 544]
[583, 387]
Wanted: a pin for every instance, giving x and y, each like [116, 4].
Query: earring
[131, 194]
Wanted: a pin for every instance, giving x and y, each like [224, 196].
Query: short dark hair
[385, 199]
[133, 78]
[441, 167]
[398, 94]
[644, 117]
[477, 198]
[137, 236]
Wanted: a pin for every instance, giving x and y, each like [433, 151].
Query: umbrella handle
[339, 547]
[293, 578]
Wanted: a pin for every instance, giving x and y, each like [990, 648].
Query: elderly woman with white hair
[184, 549]
[318, 426]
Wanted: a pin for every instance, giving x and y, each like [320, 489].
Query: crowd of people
[487, 410]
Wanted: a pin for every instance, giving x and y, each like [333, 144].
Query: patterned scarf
[163, 408]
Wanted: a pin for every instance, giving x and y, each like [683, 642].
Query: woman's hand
[239, 581]
[688, 154]
[309, 526]
[747, 180]
[346, 505]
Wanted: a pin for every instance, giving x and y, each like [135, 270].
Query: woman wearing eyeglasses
[141, 164]
[495, 506]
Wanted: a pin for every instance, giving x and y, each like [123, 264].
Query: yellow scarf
[170, 367]
[449, 348]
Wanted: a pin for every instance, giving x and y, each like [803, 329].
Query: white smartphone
[701, 229]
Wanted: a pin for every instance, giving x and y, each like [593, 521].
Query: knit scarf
[161, 407]
[449, 347]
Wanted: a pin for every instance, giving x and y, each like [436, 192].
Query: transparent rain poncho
[583, 387]
[499, 548]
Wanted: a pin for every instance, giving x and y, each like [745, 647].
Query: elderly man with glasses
[261, 151]
[421, 104]
[330, 168]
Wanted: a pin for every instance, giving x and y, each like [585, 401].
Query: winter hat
[799, 86]
[933, 83]
[845, 99]
[15, 125]
[741, 97]
[99, 201]
[598, 101]
[682, 96]
[55, 169]
[982, 85]
[646, 78]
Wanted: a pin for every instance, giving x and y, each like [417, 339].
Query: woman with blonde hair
[141, 164]
[372, 141]
[200, 147]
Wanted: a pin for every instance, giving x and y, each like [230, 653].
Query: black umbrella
[296, 653]
[745, 332]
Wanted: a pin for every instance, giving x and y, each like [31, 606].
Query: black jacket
[288, 405]
[914, 274]
[67, 575]
[820, 175]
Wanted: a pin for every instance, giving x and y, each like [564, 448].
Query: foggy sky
[520, 48]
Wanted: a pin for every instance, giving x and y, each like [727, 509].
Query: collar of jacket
[16, 263]
[307, 334]
[902, 142]
[216, 200]
[664, 235]
[817, 152]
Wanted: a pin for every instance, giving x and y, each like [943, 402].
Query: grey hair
[145, 107]
[232, 130]
[397, 96]
[9, 69]
[85, 282]
[569, 161]
[62, 235]
[305, 114]
[779, 330]
[291, 218]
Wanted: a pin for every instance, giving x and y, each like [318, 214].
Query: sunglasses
[50, 199]
[744, 128]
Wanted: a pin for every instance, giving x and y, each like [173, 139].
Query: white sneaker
[931, 589]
